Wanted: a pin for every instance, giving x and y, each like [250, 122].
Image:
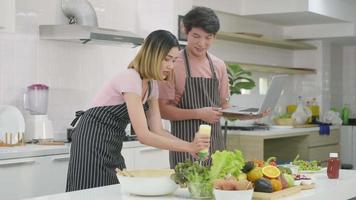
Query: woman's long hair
[154, 49]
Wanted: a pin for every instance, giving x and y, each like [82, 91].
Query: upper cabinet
[299, 19]
[7, 15]
[259, 40]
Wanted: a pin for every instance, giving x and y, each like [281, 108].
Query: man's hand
[210, 115]
[233, 117]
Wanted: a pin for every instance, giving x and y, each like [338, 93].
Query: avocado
[285, 170]
[263, 185]
[249, 165]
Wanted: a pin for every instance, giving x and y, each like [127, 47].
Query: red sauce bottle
[333, 166]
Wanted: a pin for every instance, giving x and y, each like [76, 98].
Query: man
[200, 87]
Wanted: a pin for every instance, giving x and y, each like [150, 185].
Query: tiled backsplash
[75, 72]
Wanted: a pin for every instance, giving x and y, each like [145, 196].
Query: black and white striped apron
[96, 146]
[198, 92]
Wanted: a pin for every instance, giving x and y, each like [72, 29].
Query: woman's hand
[199, 143]
[210, 115]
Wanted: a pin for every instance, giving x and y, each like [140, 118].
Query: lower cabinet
[285, 146]
[34, 176]
[43, 175]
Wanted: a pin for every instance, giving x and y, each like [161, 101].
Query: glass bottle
[345, 114]
[300, 100]
[333, 166]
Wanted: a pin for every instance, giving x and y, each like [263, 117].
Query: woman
[129, 97]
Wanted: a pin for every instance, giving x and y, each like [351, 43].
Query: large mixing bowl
[147, 182]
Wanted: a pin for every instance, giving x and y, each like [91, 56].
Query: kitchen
[75, 72]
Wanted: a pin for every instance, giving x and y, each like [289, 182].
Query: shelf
[284, 44]
[274, 69]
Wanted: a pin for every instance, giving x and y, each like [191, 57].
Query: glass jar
[333, 166]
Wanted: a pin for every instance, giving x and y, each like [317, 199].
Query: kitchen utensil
[7, 140]
[276, 195]
[147, 182]
[39, 126]
[11, 121]
[36, 99]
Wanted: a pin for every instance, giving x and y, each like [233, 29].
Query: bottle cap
[333, 155]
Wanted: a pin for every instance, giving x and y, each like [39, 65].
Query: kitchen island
[326, 189]
[285, 144]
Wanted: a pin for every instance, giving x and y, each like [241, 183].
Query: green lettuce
[226, 163]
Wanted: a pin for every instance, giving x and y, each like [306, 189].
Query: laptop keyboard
[249, 110]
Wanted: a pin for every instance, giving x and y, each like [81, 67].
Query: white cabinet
[53, 174]
[348, 145]
[44, 175]
[16, 176]
[128, 154]
[34, 176]
[7, 15]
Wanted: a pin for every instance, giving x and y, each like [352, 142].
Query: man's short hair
[202, 17]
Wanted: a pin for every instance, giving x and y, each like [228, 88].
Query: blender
[38, 125]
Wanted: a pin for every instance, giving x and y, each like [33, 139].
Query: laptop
[269, 102]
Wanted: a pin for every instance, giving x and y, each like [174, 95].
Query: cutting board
[276, 195]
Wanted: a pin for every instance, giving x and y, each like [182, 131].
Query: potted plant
[239, 79]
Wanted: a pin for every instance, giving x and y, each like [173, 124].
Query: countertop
[30, 150]
[326, 189]
[279, 132]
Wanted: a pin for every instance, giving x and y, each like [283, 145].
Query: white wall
[348, 78]
[75, 72]
[336, 74]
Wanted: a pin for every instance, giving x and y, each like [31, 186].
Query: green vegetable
[199, 179]
[190, 172]
[284, 116]
[226, 163]
[195, 177]
[306, 165]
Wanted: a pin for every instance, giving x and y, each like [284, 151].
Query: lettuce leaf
[226, 163]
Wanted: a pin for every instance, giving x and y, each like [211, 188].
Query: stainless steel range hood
[83, 27]
[85, 34]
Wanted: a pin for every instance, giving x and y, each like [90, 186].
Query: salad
[199, 179]
[304, 165]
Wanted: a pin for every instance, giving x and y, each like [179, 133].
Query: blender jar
[36, 99]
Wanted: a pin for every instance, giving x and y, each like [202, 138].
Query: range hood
[83, 27]
[85, 34]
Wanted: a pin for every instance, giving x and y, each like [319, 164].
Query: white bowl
[233, 194]
[148, 182]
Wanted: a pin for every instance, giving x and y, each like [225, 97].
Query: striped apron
[198, 92]
[96, 146]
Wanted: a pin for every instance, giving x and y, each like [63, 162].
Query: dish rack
[7, 140]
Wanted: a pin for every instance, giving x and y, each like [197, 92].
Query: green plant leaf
[239, 79]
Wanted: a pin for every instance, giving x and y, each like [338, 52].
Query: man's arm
[170, 111]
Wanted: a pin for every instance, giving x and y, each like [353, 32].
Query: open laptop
[270, 100]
